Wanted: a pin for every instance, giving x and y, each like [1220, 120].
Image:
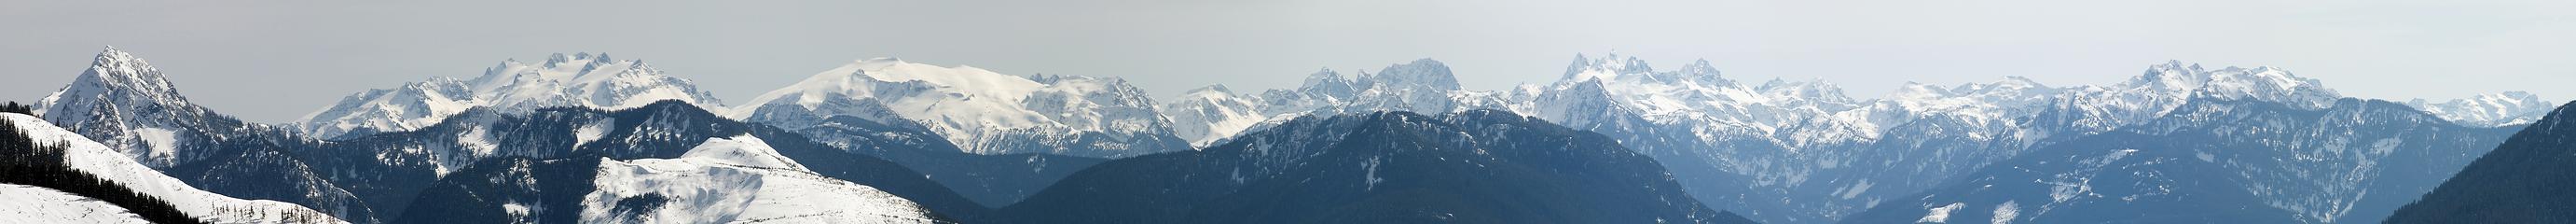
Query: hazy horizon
[276, 61]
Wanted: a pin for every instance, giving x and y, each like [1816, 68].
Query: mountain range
[587, 138]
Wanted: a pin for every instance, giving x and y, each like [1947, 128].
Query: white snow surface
[97, 159]
[737, 180]
[31, 204]
[2489, 110]
[578, 80]
[1219, 113]
[1940, 214]
[979, 110]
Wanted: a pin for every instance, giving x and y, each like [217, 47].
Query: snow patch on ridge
[1941, 214]
[735, 180]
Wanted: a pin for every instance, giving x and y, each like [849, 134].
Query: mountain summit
[577, 80]
[125, 103]
[981, 111]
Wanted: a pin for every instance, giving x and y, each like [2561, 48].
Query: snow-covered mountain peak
[880, 62]
[1420, 73]
[2009, 82]
[114, 72]
[125, 103]
[2489, 110]
[1327, 83]
[742, 151]
[1608, 67]
[2173, 81]
[1812, 90]
[1208, 91]
[578, 80]
[1703, 72]
[979, 110]
[978, 81]
[2268, 84]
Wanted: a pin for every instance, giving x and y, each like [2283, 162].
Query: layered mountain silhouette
[2215, 161]
[1479, 166]
[587, 138]
[2522, 181]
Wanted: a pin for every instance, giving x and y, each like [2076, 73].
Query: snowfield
[736, 180]
[98, 159]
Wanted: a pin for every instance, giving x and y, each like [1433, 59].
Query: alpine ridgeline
[979, 111]
[994, 138]
[2215, 161]
[1768, 150]
[579, 80]
[484, 164]
[2489, 110]
[1478, 166]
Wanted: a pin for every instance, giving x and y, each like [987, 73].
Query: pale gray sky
[270, 61]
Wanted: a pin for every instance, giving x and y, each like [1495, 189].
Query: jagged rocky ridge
[127, 105]
[578, 80]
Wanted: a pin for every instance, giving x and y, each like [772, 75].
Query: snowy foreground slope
[97, 159]
[41, 205]
[579, 80]
[736, 180]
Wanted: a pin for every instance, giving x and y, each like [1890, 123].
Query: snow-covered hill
[102, 161]
[736, 180]
[579, 80]
[41, 205]
[980, 111]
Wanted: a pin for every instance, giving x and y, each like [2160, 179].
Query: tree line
[23, 161]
